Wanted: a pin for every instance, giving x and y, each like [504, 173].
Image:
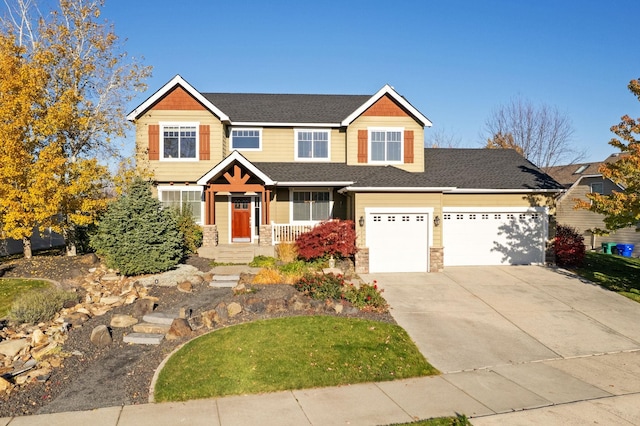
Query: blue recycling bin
[625, 249]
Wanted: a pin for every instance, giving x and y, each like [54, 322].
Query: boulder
[11, 348]
[185, 287]
[122, 321]
[221, 309]
[38, 337]
[143, 307]
[255, 305]
[5, 385]
[100, 336]
[233, 309]
[111, 300]
[179, 328]
[76, 319]
[210, 318]
[196, 279]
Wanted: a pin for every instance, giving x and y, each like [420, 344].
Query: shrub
[268, 276]
[331, 238]
[329, 286]
[136, 236]
[568, 247]
[190, 230]
[367, 297]
[287, 252]
[263, 262]
[39, 305]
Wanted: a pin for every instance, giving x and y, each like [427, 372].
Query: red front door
[241, 220]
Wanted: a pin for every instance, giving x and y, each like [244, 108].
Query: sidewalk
[364, 404]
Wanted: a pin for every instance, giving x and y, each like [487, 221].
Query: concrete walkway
[517, 345]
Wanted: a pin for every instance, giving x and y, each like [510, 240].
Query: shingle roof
[444, 168]
[567, 175]
[280, 108]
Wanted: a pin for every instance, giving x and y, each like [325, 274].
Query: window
[182, 199]
[312, 144]
[385, 145]
[311, 205]
[246, 139]
[597, 188]
[180, 141]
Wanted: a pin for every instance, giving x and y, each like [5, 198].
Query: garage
[500, 236]
[398, 239]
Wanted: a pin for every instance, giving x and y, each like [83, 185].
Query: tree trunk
[70, 241]
[26, 247]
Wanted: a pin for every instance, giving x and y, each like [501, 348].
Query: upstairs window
[385, 145]
[312, 144]
[246, 139]
[597, 188]
[179, 141]
[311, 206]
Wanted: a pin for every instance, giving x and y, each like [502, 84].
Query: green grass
[11, 287]
[289, 353]
[616, 273]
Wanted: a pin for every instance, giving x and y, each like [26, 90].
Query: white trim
[385, 130]
[396, 189]
[297, 131]
[176, 81]
[501, 191]
[234, 156]
[387, 90]
[181, 188]
[309, 189]
[230, 197]
[497, 209]
[307, 184]
[251, 129]
[163, 124]
[277, 124]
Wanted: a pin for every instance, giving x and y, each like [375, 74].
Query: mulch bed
[119, 374]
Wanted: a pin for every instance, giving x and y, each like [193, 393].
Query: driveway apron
[468, 318]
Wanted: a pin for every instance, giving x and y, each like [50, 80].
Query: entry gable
[231, 168]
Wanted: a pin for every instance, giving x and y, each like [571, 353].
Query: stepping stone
[226, 277]
[159, 318]
[223, 284]
[151, 328]
[143, 338]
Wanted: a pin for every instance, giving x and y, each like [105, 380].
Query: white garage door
[498, 237]
[398, 240]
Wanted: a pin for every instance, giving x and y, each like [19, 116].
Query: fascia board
[270, 124]
[502, 191]
[387, 90]
[322, 183]
[234, 156]
[396, 189]
[176, 81]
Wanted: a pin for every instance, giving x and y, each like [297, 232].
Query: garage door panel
[499, 238]
[398, 242]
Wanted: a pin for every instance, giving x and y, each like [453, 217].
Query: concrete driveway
[520, 337]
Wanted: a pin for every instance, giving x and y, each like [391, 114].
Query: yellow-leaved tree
[89, 81]
[621, 208]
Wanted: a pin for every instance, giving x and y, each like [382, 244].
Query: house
[258, 169]
[579, 180]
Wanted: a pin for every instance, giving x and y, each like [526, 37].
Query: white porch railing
[286, 233]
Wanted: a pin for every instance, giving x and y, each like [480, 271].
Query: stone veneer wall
[209, 235]
[266, 235]
[362, 261]
[436, 263]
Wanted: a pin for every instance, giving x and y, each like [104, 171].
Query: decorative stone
[255, 305]
[38, 337]
[143, 338]
[179, 328]
[98, 312]
[338, 308]
[100, 336]
[121, 321]
[40, 353]
[76, 319]
[150, 328]
[210, 318]
[142, 307]
[185, 287]
[5, 385]
[11, 348]
[196, 279]
[233, 309]
[110, 300]
[221, 310]
[110, 277]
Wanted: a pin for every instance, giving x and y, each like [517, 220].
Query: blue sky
[456, 61]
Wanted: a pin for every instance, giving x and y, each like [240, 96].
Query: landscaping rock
[276, 305]
[196, 279]
[11, 348]
[5, 385]
[143, 307]
[111, 300]
[223, 314]
[233, 309]
[338, 307]
[151, 328]
[255, 305]
[101, 337]
[38, 337]
[143, 338]
[210, 318]
[159, 318]
[122, 321]
[185, 287]
[76, 319]
[179, 328]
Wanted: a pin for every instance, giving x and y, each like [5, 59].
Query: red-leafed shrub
[568, 247]
[331, 238]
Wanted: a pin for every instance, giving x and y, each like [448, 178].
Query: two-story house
[257, 169]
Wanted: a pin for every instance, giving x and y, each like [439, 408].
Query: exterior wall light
[436, 221]
[361, 221]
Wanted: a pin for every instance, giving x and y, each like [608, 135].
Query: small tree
[136, 236]
[568, 246]
[331, 238]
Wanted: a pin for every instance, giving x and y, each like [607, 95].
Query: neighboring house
[579, 180]
[258, 169]
[39, 241]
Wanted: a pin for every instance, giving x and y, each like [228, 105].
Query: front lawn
[289, 353]
[12, 287]
[616, 273]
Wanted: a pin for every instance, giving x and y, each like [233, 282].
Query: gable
[178, 100]
[385, 107]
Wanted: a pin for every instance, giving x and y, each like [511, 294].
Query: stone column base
[209, 236]
[436, 263]
[362, 261]
[266, 235]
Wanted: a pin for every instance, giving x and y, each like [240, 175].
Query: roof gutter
[501, 191]
[320, 183]
[395, 189]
